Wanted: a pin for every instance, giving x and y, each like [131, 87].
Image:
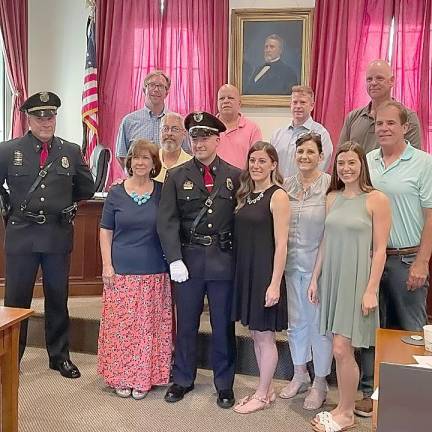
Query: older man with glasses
[172, 135]
[284, 139]
[145, 122]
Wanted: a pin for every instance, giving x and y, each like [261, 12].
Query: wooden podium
[10, 319]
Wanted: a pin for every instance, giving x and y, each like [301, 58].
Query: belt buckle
[40, 219]
[208, 202]
[43, 173]
[208, 240]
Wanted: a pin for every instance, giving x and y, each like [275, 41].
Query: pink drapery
[14, 30]
[127, 35]
[190, 43]
[194, 52]
[412, 61]
[347, 36]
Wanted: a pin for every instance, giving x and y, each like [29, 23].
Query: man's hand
[417, 275]
[178, 271]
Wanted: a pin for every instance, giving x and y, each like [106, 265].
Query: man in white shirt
[284, 139]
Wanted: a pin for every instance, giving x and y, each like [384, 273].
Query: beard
[170, 146]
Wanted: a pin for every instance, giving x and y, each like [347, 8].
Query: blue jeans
[399, 309]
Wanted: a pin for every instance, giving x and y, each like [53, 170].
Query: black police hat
[203, 124]
[42, 104]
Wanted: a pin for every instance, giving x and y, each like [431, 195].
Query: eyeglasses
[307, 136]
[153, 86]
[173, 129]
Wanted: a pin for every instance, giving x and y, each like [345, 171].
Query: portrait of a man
[273, 76]
[270, 53]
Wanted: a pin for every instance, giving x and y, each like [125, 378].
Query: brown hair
[403, 113]
[246, 183]
[138, 147]
[157, 73]
[310, 136]
[303, 89]
[364, 180]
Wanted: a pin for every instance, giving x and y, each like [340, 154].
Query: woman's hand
[108, 274]
[369, 302]
[272, 296]
[313, 292]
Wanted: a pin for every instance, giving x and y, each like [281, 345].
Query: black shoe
[176, 392]
[66, 368]
[225, 398]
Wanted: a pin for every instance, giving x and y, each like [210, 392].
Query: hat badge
[198, 116]
[44, 96]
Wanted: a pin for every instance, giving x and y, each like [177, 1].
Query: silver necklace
[249, 200]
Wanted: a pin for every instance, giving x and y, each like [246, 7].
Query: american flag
[89, 111]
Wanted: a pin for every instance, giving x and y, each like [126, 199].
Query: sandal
[327, 423]
[316, 397]
[299, 384]
[256, 403]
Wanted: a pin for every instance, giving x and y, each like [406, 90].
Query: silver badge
[188, 185]
[65, 162]
[198, 116]
[17, 158]
[229, 184]
[44, 96]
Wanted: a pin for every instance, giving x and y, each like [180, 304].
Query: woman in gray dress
[307, 193]
[350, 263]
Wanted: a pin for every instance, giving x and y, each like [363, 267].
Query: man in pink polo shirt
[241, 132]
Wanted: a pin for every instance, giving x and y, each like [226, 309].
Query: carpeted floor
[50, 403]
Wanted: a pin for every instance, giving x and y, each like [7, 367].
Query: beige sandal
[242, 406]
[299, 384]
[316, 397]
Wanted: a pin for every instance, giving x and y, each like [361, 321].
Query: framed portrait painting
[270, 52]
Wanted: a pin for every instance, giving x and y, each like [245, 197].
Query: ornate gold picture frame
[270, 52]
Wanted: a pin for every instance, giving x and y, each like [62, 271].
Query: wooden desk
[86, 263]
[10, 319]
[389, 348]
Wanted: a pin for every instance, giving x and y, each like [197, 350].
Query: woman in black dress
[260, 242]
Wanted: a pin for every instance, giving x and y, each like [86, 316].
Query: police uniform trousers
[21, 271]
[189, 300]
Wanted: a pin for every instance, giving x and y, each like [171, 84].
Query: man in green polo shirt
[404, 174]
[359, 125]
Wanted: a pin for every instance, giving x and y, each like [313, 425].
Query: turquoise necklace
[140, 199]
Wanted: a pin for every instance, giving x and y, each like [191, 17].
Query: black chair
[100, 166]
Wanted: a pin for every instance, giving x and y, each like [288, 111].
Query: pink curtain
[412, 61]
[127, 48]
[347, 36]
[190, 43]
[13, 25]
[194, 52]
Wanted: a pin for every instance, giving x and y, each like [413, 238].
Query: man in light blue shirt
[404, 174]
[145, 122]
[284, 139]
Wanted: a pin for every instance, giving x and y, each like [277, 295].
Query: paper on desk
[425, 361]
[100, 194]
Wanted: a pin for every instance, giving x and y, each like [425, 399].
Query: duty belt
[402, 251]
[203, 240]
[39, 219]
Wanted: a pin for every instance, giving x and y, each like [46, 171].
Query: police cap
[42, 104]
[203, 124]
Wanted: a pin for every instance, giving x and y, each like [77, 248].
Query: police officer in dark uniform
[195, 223]
[46, 176]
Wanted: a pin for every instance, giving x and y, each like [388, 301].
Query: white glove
[178, 271]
